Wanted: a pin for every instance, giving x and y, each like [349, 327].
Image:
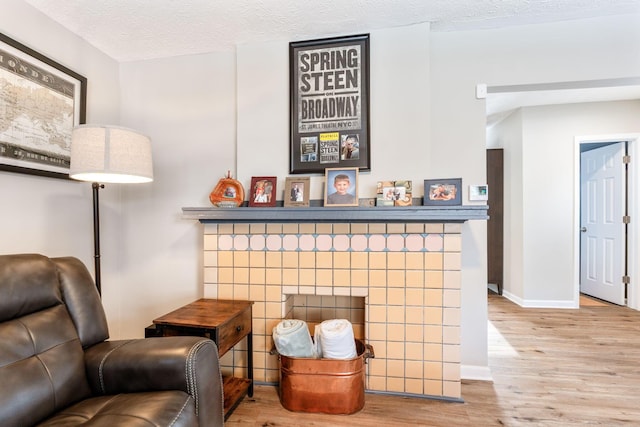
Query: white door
[602, 233]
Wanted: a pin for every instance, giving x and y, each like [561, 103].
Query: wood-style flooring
[550, 367]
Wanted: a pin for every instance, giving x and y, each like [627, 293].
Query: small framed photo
[296, 191]
[479, 192]
[394, 193]
[442, 192]
[263, 191]
[341, 187]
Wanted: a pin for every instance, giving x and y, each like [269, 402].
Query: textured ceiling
[129, 30]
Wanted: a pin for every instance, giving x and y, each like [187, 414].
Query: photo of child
[341, 187]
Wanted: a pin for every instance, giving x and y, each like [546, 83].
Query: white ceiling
[500, 104]
[131, 30]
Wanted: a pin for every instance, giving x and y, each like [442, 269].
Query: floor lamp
[108, 154]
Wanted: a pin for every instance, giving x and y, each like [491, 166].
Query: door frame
[633, 208]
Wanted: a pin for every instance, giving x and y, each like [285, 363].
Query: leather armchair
[58, 368]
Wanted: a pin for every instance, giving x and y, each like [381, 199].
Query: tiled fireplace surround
[406, 274]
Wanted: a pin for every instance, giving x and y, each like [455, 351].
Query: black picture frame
[329, 104]
[42, 101]
[442, 192]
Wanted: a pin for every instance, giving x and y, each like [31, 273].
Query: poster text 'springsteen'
[329, 82]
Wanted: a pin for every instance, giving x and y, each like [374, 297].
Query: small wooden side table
[225, 322]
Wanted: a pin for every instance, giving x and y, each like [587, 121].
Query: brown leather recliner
[58, 369]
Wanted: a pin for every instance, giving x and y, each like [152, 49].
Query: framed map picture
[41, 102]
[329, 104]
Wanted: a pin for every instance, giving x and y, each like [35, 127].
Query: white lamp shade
[110, 154]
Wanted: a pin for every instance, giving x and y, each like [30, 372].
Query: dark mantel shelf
[338, 214]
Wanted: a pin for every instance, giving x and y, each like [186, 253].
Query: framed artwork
[394, 193]
[296, 191]
[41, 102]
[439, 192]
[341, 187]
[329, 104]
[263, 191]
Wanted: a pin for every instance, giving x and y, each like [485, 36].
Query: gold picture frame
[296, 191]
[341, 187]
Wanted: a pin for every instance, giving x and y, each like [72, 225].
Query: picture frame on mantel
[394, 193]
[442, 192]
[41, 101]
[263, 191]
[341, 187]
[329, 104]
[296, 191]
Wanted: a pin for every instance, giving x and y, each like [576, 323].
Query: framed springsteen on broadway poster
[329, 104]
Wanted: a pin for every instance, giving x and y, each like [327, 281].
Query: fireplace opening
[314, 309]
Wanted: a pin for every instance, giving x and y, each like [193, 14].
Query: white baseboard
[511, 297]
[540, 303]
[472, 372]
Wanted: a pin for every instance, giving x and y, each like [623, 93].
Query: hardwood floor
[551, 367]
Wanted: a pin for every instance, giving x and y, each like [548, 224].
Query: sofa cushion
[28, 283]
[41, 366]
[163, 408]
[82, 300]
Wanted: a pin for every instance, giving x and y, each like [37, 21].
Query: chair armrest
[189, 364]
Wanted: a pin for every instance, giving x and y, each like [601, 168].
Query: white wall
[54, 216]
[507, 134]
[540, 193]
[456, 144]
[589, 49]
[549, 195]
[399, 110]
[187, 106]
[263, 112]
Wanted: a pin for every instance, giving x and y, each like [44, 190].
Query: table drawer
[231, 332]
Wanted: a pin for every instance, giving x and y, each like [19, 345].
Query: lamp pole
[96, 233]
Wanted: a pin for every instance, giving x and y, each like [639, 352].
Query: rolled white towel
[292, 339]
[334, 339]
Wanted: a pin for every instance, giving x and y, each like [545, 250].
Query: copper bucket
[330, 386]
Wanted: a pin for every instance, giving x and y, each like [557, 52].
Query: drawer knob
[238, 328]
